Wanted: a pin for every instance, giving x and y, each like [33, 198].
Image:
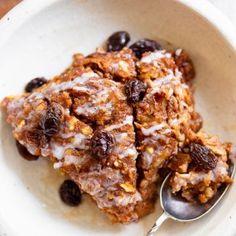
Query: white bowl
[38, 38]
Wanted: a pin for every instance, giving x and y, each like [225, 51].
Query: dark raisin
[24, 152]
[50, 123]
[35, 83]
[202, 157]
[144, 45]
[117, 41]
[36, 137]
[101, 144]
[135, 90]
[70, 193]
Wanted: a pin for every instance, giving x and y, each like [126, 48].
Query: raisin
[70, 193]
[202, 157]
[35, 83]
[36, 137]
[101, 144]
[135, 90]
[50, 123]
[117, 41]
[24, 152]
[144, 45]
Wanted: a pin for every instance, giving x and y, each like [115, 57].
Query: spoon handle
[157, 224]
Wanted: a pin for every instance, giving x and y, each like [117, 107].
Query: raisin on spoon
[202, 157]
[117, 41]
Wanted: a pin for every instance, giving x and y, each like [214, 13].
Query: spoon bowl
[178, 209]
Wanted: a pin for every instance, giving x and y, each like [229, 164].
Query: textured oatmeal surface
[60, 119]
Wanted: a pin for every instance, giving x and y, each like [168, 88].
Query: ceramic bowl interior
[43, 45]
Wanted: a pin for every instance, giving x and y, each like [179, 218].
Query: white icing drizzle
[91, 109]
[71, 160]
[85, 77]
[79, 141]
[174, 122]
[120, 137]
[147, 157]
[127, 121]
[81, 89]
[152, 129]
[179, 75]
[57, 165]
[156, 84]
[130, 151]
[178, 51]
[123, 152]
[122, 65]
[72, 84]
[155, 56]
[35, 96]
[87, 109]
[58, 150]
[127, 199]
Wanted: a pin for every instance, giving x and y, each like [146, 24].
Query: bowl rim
[25, 9]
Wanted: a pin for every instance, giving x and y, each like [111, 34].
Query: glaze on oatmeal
[113, 120]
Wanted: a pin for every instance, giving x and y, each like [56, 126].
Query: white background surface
[228, 7]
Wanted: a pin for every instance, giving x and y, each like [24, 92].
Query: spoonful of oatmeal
[179, 209]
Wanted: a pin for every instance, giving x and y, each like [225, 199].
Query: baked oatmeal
[113, 121]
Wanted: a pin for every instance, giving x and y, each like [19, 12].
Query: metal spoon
[178, 209]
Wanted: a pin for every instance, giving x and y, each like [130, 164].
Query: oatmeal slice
[164, 117]
[113, 121]
[83, 124]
